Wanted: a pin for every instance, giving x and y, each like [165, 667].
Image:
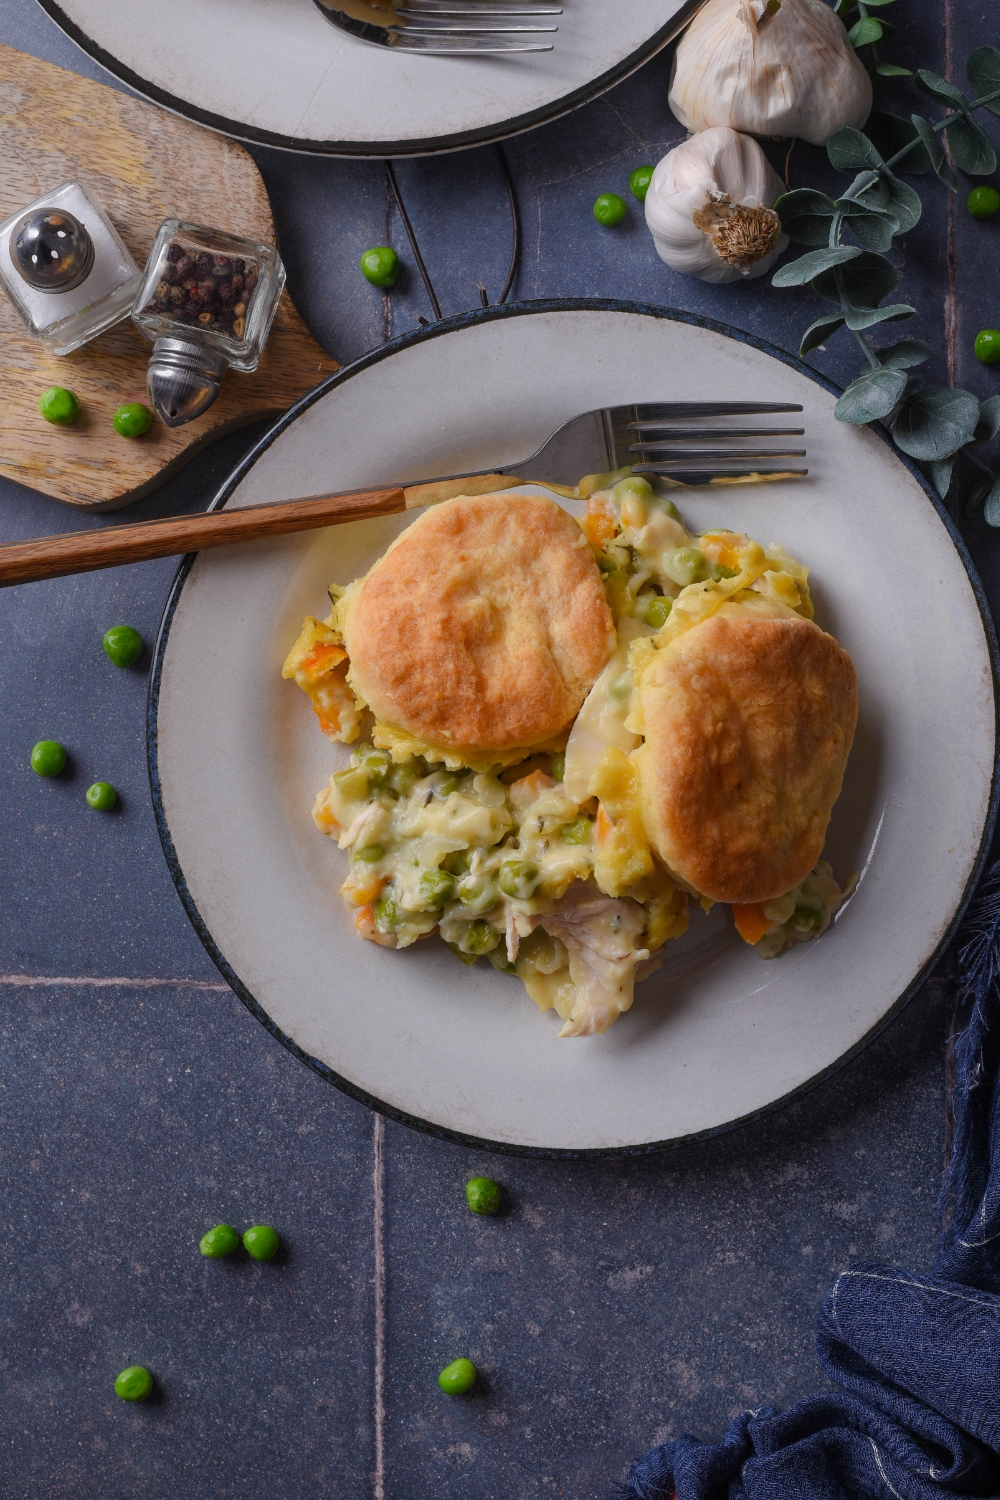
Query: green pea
[102, 796]
[369, 855]
[634, 485]
[657, 612]
[437, 888]
[467, 958]
[609, 210]
[134, 1383]
[483, 1195]
[499, 960]
[456, 863]
[403, 779]
[386, 914]
[577, 832]
[458, 1377]
[557, 768]
[518, 879]
[261, 1242]
[639, 181]
[377, 764]
[479, 938]
[446, 786]
[807, 918]
[380, 266]
[353, 784]
[688, 565]
[983, 202]
[988, 345]
[48, 758]
[132, 420]
[620, 687]
[123, 645]
[220, 1241]
[59, 406]
[478, 895]
[719, 571]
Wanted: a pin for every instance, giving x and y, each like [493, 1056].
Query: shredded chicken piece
[600, 935]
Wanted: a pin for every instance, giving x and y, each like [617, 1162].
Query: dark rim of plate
[405, 341]
[431, 146]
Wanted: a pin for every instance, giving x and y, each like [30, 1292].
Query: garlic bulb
[709, 210]
[769, 67]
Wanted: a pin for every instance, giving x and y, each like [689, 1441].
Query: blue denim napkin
[915, 1358]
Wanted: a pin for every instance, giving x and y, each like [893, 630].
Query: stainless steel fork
[447, 27]
[599, 444]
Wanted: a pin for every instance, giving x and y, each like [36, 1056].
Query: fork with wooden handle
[596, 443]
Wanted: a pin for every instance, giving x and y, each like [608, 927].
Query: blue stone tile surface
[611, 1304]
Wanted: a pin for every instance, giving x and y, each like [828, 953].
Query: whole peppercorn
[185, 265]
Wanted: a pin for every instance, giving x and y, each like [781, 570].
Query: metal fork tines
[727, 454]
[453, 26]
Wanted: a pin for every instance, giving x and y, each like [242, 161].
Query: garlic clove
[709, 208]
[771, 68]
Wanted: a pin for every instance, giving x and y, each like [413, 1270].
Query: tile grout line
[378, 1212]
[52, 981]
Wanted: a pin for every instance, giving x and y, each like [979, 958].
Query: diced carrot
[531, 787]
[751, 923]
[601, 522]
[320, 660]
[361, 895]
[602, 825]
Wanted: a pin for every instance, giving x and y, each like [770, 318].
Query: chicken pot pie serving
[571, 733]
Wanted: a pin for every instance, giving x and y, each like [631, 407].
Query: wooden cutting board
[142, 166]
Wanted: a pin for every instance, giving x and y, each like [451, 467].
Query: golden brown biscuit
[484, 625]
[749, 719]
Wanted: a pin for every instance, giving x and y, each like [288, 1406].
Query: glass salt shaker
[206, 302]
[65, 269]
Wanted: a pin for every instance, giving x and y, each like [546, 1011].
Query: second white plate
[717, 1035]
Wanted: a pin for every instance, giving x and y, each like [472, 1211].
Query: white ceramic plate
[717, 1035]
[277, 72]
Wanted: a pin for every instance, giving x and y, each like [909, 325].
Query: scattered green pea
[634, 485]
[456, 863]
[132, 420]
[657, 612]
[402, 779]
[458, 1377]
[577, 832]
[518, 879]
[807, 918]
[445, 787]
[261, 1242]
[983, 202]
[220, 1241]
[369, 855]
[377, 765]
[639, 181]
[478, 895]
[380, 266]
[59, 406]
[479, 938]
[123, 645]
[386, 913]
[353, 783]
[620, 687]
[483, 1195]
[688, 564]
[437, 888]
[609, 210]
[719, 571]
[988, 345]
[102, 796]
[557, 769]
[48, 758]
[134, 1384]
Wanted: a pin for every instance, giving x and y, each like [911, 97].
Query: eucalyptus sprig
[931, 425]
[868, 31]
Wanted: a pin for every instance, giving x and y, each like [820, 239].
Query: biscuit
[484, 626]
[749, 719]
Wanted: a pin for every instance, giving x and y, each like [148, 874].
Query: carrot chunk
[751, 923]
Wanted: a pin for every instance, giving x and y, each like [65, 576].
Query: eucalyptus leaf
[989, 420]
[896, 197]
[991, 513]
[850, 151]
[866, 280]
[874, 228]
[905, 354]
[940, 476]
[971, 148]
[873, 4]
[935, 151]
[933, 424]
[891, 133]
[805, 216]
[866, 317]
[844, 7]
[983, 72]
[808, 266]
[871, 397]
[892, 70]
[940, 89]
[818, 333]
[864, 32]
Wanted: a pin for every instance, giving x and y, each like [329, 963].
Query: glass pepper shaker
[65, 269]
[206, 302]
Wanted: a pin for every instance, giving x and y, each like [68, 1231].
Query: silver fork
[447, 27]
[594, 444]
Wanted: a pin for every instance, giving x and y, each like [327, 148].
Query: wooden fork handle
[85, 552]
